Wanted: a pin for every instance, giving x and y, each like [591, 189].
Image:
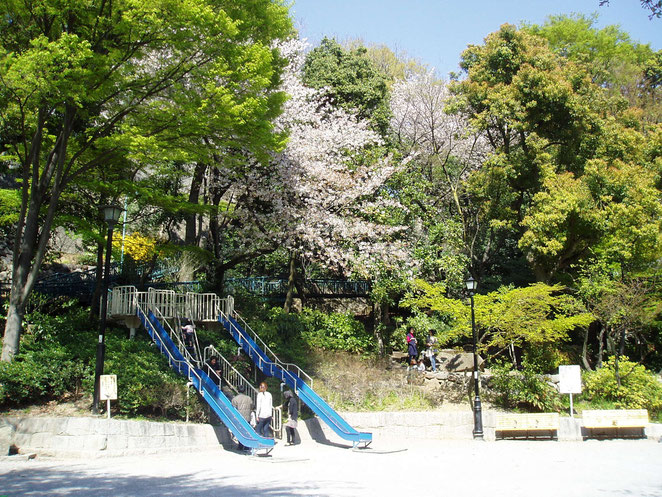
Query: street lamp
[478, 413]
[111, 214]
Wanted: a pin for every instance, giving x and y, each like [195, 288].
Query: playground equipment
[209, 308]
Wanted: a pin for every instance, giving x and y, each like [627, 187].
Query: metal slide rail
[267, 354]
[304, 391]
[198, 378]
[234, 378]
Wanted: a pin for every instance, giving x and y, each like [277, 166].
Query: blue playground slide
[221, 405]
[303, 390]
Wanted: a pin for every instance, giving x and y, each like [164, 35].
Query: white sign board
[570, 379]
[108, 387]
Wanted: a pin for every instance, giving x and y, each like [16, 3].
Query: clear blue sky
[437, 31]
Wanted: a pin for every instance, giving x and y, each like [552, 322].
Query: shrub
[54, 358]
[145, 382]
[525, 389]
[336, 331]
[639, 388]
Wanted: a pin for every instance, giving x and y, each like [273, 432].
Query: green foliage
[336, 331]
[639, 388]
[58, 354]
[292, 335]
[39, 376]
[525, 389]
[10, 204]
[529, 316]
[353, 79]
[145, 382]
[55, 359]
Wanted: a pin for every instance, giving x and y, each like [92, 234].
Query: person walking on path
[292, 407]
[431, 351]
[244, 405]
[263, 411]
[412, 351]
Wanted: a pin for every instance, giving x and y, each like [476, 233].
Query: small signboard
[108, 387]
[570, 379]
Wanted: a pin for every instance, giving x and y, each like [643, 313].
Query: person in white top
[263, 411]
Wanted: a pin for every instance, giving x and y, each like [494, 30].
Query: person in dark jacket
[292, 406]
[412, 350]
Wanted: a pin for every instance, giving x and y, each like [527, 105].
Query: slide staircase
[290, 374]
[156, 307]
[171, 345]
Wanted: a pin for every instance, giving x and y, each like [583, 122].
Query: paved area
[388, 468]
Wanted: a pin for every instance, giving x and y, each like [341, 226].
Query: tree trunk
[379, 324]
[12, 331]
[601, 346]
[619, 352]
[289, 297]
[585, 362]
[191, 234]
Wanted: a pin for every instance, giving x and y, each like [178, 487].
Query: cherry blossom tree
[447, 150]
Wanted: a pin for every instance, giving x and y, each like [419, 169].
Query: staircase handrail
[273, 358]
[162, 347]
[234, 378]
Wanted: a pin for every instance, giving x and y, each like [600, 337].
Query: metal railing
[271, 356]
[234, 379]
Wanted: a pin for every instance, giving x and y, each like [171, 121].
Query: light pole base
[478, 419]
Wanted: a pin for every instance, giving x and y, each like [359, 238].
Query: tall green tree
[91, 83]
[560, 144]
[353, 81]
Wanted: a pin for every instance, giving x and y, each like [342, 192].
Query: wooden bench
[621, 422]
[527, 424]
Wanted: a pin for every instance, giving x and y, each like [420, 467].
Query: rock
[457, 362]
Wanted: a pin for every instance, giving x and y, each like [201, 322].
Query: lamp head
[111, 213]
[472, 284]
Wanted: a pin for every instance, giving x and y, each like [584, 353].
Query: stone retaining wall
[98, 437]
[105, 437]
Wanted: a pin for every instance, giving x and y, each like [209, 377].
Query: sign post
[108, 389]
[570, 381]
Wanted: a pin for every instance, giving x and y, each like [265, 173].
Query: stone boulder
[457, 362]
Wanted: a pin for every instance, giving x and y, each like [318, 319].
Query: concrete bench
[527, 424]
[621, 422]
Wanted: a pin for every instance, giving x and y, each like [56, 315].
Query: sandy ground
[387, 468]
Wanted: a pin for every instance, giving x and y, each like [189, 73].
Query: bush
[39, 376]
[336, 331]
[525, 389]
[54, 358]
[639, 388]
[58, 356]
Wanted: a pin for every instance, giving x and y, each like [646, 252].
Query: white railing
[196, 307]
[202, 306]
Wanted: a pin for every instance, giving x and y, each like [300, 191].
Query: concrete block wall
[106, 437]
[98, 437]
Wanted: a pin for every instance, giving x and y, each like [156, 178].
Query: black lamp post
[111, 214]
[478, 413]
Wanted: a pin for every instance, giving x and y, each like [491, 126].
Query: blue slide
[303, 390]
[221, 405]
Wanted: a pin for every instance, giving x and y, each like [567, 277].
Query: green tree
[560, 144]
[92, 83]
[527, 317]
[352, 78]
